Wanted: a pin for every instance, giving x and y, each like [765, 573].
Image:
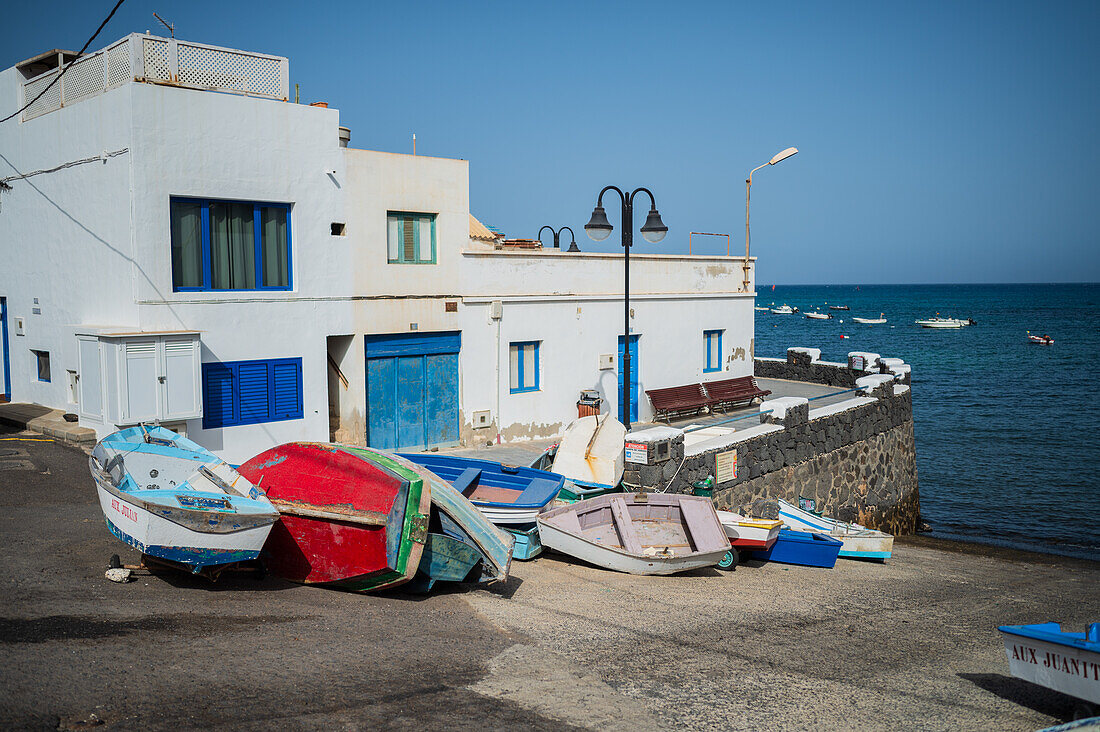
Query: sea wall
[855, 459]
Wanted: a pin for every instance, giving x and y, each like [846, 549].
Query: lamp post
[748, 187]
[653, 230]
[572, 245]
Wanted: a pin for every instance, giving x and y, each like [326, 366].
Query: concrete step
[46, 421]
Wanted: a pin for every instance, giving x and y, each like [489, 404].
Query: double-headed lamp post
[573, 239]
[748, 187]
[653, 230]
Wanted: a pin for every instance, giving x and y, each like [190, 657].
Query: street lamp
[780, 156]
[653, 231]
[572, 245]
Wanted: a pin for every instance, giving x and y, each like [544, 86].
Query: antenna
[171, 28]
[414, 143]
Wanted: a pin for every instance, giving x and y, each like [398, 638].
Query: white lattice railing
[141, 57]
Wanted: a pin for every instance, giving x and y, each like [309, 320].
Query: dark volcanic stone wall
[803, 370]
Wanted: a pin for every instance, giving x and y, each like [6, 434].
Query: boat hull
[749, 533]
[528, 543]
[802, 548]
[857, 542]
[1066, 668]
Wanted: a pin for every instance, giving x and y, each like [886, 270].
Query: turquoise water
[1008, 432]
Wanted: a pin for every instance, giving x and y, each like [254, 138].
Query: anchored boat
[859, 542]
[1043, 340]
[505, 494]
[818, 316]
[173, 500]
[940, 322]
[653, 533]
[784, 310]
[871, 321]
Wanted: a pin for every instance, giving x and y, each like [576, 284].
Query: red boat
[1041, 340]
[351, 517]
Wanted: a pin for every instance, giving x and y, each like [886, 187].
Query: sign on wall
[637, 452]
[725, 466]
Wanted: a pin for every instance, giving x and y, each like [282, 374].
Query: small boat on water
[859, 542]
[839, 307]
[506, 495]
[746, 534]
[784, 310]
[871, 321]
[1046, 655]
[174, 501]
[818, 316]
[352, 517]
[938, 322]
[1043, 340]
[763, 308]
[652, 533]
[801, 547]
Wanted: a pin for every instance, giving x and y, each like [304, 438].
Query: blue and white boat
[801, 547]
[171, 499]
[858, 542]
[506, 495]
[1046, 655]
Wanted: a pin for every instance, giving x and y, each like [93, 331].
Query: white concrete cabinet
[130, 378]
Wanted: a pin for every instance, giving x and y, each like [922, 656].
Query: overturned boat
[175, 501]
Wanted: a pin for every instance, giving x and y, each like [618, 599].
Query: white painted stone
[653, 434]
[778, 407]
[890, 362]
[869, 383]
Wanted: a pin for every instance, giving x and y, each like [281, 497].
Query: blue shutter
[217, 396]
[253, 396]
[286, 389]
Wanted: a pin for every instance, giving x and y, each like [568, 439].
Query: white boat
[1046, 655]
[1043, 340]
[746, 534]
[761, 307]
[818, 316]
[783, 310]
[938, 322]
[173, 500]
[859, 541]
[871, 321]
[591, 451]
[652, 533]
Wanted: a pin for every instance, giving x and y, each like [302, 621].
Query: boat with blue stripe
[175, 501]
[1064, 660]
[858, 542]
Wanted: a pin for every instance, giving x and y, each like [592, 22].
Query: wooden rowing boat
[654, 533]
[858, 542]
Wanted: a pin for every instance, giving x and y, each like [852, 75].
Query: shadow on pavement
[1026, 694]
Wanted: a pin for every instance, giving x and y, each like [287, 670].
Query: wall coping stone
[734, 438]
[844, 406]
[870, 360]
[868, 384]
[779, 406]
[654, 434]
[813, 353]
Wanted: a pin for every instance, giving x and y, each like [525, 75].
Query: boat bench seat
[466, 481]
[689, 398]
[728, 392]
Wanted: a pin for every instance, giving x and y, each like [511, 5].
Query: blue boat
[801, 547]
[506, 495]
[528, 544]
[1062, 660]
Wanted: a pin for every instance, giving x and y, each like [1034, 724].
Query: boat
[839, 307]
[818, 316]
[528, 544]
[504, 494]
[784, 310]
[352, 517]
[939, 322]
[859, 542]
[176, 502]
[871, 321]
[445, 559]
[763, 308]
[651, 533]
[590, 457]
[1065, 661]
[801, 547]
[1043, 340]
[745, 534]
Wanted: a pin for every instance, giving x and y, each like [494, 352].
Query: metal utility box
[128, 378]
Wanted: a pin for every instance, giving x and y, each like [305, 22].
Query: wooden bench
[678, 399]
[728, 392]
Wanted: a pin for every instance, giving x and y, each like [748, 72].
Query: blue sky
[939, 142]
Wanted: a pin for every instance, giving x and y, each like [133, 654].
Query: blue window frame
[523, 357]
[251, 392]
[42, 362]
[229, 245]
[713, 339]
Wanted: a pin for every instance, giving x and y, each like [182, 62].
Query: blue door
[412, 390]
[633, 379]
[5, 362]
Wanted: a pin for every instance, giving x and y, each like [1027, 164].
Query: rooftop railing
[147, 58]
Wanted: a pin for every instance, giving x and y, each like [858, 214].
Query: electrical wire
[71, 164]
[66, 68]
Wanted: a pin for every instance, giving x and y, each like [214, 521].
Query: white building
[181, 243]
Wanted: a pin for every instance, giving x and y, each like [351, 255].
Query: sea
[1007, 431]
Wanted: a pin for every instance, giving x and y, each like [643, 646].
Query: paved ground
[911, 644]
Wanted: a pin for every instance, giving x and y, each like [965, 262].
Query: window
[229, 245]
[43, 363]
[713, 339]
[250, 392]
[410, 238]
[524, 360]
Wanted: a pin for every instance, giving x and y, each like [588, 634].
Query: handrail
[766, 411]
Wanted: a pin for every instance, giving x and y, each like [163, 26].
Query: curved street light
[572, 245]
[779, 157]
[653, 231]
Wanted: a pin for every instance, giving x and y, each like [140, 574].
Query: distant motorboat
[871, 321]
[784, 310]
[1043, 340]
[818, 316]
[839, 307]
[761, 307]
[938, 322]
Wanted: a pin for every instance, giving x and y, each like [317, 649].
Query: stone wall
[799, 367]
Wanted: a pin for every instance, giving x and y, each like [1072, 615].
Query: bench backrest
[733, 388]
[677, 396]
